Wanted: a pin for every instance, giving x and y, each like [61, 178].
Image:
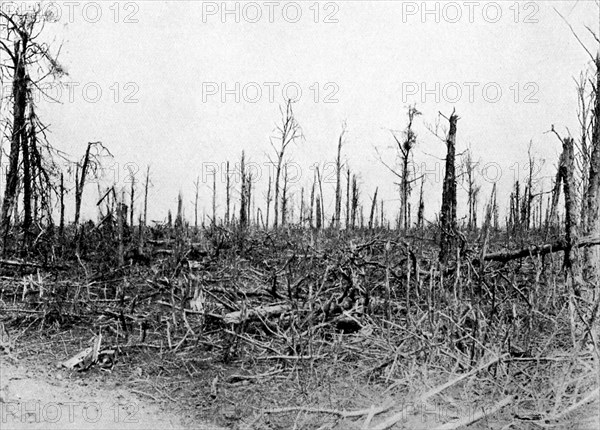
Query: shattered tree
[30, 155]
[448, 213]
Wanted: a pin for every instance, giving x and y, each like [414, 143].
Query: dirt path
[33, 398]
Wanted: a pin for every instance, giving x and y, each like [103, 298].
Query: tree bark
[373, 206]
[19, 91]
[592, 200]
[448, 214]
[80, 182]
[338, 180]
[571, 261]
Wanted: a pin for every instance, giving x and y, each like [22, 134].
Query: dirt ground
[36, 397]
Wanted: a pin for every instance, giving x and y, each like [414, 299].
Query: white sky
[374, 51]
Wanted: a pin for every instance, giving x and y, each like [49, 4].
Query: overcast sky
[507, 67]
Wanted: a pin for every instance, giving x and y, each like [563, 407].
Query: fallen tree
[539, 250]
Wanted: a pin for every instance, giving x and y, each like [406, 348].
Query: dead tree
[448, 213]
[21, 57]
[197, 192]
[284, 197]
[591, 223]
[243, 194]
[121, 216]
[586, 122]
[312, 201]
[571, 219]
[61, 227]
[302, 207]
[318, 214]
[421, 211]
[515, 207]
[89, 163]
[470, 167]
[528, 198]
[405, 145]
[321, 197]
[131, 198]
[348, 198]
[214, 199]
[553, 208]
[355, 199]
[287, 133]
[268, 201]
[144, 222]
[179, 218]
[228, 198]
[373, 206]
[249, 200]
[338, 179]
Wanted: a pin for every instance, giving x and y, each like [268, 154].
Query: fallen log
[539, 250]
[29, 264]
[260, 312]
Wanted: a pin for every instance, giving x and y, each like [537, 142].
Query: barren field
[313, 330]
[324, 215]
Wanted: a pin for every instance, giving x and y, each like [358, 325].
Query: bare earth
[47, 399]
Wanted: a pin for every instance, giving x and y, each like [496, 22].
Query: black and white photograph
[300, 215]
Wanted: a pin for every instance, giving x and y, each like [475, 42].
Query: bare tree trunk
[27, 180]
[373, 206]
[197, 191]
[322, 199]
[448, 214]
[318, 214]
[529, 197]
[268, 201]
[214, 198]
[567, 172]
[516, 207]
[228, 199]
[592, 198]
[179, 217]
[338, 179]
[555, 197]
[249, 198]
[284, 197]
[312, 201]
[80, 182]
[131, 199]
[289, 132]
[19, 93]
[405, 147]
[144, 218]
[302, 207]
[354, 201]
[146, 196]
[348, 200]
[421, 211]
[496, 212]
[362, 218]
[120, 228]
[61, 227]
[243, 196]
[473, 190]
